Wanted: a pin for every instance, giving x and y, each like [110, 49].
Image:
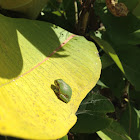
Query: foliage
[33, 55]
[111, 110]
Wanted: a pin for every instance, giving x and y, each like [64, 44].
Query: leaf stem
[76, 11]
[126, 91]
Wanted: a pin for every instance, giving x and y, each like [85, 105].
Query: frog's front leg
[56, 90]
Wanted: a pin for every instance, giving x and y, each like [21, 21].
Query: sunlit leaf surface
[32, 55]
[114, 132]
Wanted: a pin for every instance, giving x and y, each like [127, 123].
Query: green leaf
[130, 56]
[107, 48]
[134, 37]
[32, 55]
[62, 14]
[113, 78]
[119, 30]
[135, 98]
[100, 83]
[114, 132]
[120, 35]
[54, 18]
[131, 4]
[92, 114]
[70, 11]
[130, 120]
[106, 61]
[31, 8]
[64, 138]
[136, 10]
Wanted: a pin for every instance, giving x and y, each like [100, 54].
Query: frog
[63, 90]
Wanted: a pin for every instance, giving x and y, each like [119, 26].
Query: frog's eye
[56, 83]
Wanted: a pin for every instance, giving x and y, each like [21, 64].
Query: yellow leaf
[32, 55]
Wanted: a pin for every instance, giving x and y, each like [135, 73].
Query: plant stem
[126, 91]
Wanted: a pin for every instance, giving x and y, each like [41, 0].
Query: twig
[126, 92]
[76, 11]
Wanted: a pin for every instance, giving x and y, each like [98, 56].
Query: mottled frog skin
[63, 90]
